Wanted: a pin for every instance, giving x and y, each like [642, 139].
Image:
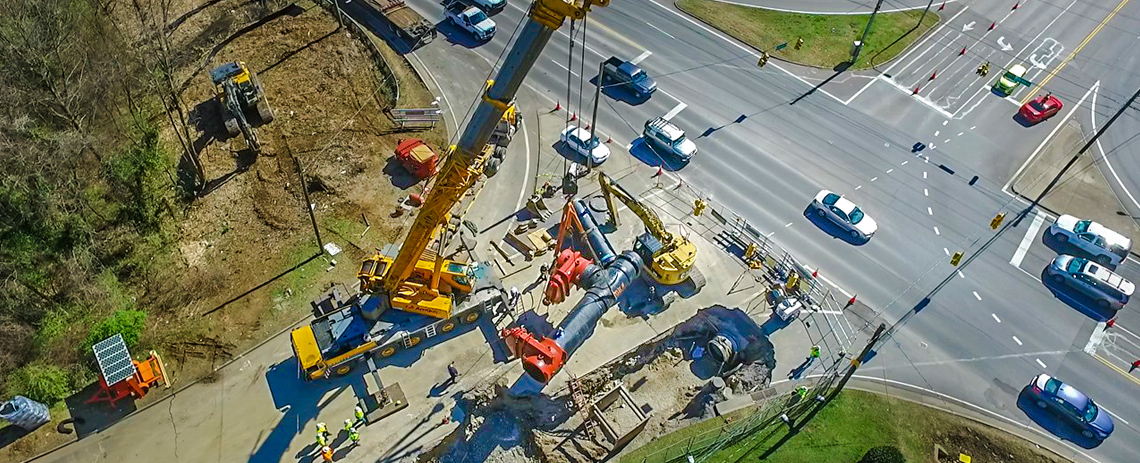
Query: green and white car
[1009, 81]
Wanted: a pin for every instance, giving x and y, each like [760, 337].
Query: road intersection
[994, 326]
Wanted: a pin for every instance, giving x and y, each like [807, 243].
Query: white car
[845, 214]
[578, 140]
[1105, 246]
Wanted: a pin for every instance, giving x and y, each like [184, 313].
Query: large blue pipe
[603, 287]
[603, 251]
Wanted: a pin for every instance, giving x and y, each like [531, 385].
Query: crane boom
[461, 170]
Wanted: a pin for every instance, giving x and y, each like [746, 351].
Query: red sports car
[1040, 108]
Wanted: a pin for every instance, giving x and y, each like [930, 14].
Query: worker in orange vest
[327, 453]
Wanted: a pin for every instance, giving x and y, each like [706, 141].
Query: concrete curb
[978, 414]
[835, 12]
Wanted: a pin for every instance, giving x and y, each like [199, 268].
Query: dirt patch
[984, 445]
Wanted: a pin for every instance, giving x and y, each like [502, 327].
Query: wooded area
[87, 187]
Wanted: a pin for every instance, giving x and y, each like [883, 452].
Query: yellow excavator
[673, 254]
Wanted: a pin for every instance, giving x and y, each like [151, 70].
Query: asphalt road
[838, 6]
[993, 326]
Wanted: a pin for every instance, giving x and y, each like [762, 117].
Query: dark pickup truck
[617, 72]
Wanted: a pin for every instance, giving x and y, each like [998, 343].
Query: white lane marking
[1092, 105]
[960, 133]
[929, 211]
[925, 192]
[745, 49]
[947, 251]
[661, 31]
[924, 173]
[1049, 137]
[936, 231]
[874, 178]
[960, 275]
[833, 285]
[1027, 241]
[904, 163]
[787, 225]
[858, 187]
[628, 146]
[947, 141]
[976, 296]
[1018, 341]
[1113, 414]
[526, 144]
[945, 122]
[1030, 274]
[890, 170]
[564, 67]
[1039, 362]
[676, 110]
[644, 54]
[995, 317]
[936, 132]
[1096, 338]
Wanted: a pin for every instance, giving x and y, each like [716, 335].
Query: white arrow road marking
[969, 27]
[1004, 46]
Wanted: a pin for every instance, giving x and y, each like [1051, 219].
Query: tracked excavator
[241, 96]
[672, 254]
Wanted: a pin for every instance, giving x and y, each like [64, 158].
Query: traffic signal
[996, 222]
[751, 251]
[957, 257]
[799, 43]
[763, 59]
[699, 206]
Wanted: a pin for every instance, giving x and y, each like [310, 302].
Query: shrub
[43, 383]
[129, 323]
[883, 454]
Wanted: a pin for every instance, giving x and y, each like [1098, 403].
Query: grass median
[827, 38]
[851, 425]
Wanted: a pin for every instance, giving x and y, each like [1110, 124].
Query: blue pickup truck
[621, 73]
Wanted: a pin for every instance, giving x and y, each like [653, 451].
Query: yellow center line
[1084, 42]
[1118, 369]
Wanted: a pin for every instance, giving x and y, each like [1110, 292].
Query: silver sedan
[845, 214]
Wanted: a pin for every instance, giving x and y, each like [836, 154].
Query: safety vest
[354, 435]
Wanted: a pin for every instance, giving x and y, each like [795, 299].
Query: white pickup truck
[470, 19]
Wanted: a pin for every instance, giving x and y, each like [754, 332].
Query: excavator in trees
[417, 281]
[673, 255]
[240, 95]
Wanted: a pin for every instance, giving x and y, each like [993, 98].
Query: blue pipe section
[603, 287]
[603, 251]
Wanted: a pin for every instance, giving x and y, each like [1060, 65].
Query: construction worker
[327, 453]
[815, 351]
[542, 271]
[348, 426]
[322, 429]
[983, 69]
[321, 440]
[354, 436]
[452, 373]
[358, 413]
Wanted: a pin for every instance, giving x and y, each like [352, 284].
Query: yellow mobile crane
[429, 285]
[673, 254]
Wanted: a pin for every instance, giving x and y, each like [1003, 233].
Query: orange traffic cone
[993, 25]
[963, 52]
[1109, 323]
[573, 117]
[557, 107]
[934, 74]
[815, 274]
[660, 171]
[1015, 5]
[915, 92]
[852, 300]
[942, 7]
[609, 139]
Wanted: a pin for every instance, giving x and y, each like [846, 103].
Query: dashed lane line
[1018, 341]
[995, 317]
[936, 231]
[977, 296]
[1039, 362]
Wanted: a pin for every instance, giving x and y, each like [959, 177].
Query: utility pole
[1013, 223]
[594, 114]
[859, 47]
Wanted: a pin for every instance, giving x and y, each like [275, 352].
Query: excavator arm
[653, 224]
[460, 170]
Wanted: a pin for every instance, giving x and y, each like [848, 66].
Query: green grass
[827, 38]
[842, 432]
